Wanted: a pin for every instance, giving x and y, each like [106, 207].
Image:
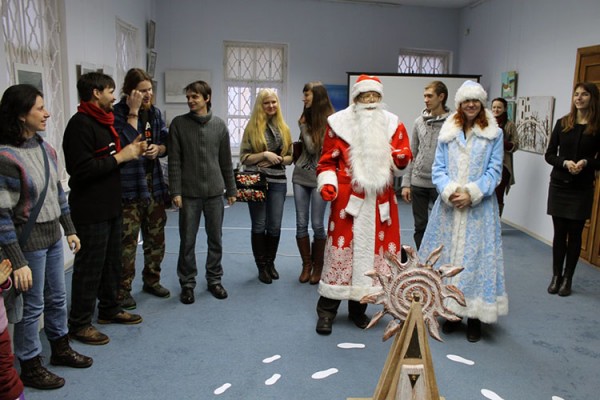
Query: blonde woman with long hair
[267, 147]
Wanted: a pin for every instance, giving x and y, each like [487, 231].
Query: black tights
[567, 242]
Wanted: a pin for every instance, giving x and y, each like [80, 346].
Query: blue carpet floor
[260, 343]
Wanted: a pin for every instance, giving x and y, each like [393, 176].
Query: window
[412, 61]
[127, 54]
[250, 67]
[31, 31]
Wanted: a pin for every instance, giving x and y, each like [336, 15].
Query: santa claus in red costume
[365, 146]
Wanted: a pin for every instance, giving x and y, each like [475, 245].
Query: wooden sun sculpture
[414, 281]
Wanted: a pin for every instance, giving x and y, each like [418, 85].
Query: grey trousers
[189, 223]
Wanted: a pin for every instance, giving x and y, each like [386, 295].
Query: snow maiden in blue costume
[466, 170]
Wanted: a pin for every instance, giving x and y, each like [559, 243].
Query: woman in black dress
[574, 153]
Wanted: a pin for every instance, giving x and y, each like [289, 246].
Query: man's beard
[370, 152]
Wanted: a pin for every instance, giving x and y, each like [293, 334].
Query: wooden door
[587, 68]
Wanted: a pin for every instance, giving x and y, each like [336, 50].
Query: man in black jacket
[92, 155]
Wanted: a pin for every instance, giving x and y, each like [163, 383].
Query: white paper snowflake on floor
[410, 281]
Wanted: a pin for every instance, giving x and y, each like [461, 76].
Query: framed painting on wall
[534, 122]
[177, 80]
[150, 34]
[31, 74]
[509, 84]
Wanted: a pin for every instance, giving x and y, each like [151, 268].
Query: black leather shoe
[360, 321]
[451, 326]
[324, 325]
[218, 291]
[157, 290]
[473, 330]
[187, 295]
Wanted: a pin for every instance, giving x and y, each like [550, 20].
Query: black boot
[554, 284]
[272, 246]
[259, 251]
[565, 287]
[35, 375]
[63, 354]
[473, 330]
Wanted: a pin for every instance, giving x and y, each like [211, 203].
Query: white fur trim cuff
[327, 178]
[476, 194]
[448, 190]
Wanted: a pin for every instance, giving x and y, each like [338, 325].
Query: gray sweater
[200, 157]
[423, 144]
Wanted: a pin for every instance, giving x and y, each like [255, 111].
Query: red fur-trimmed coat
[361, 227]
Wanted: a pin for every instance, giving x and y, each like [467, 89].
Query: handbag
[296, 151]
[251, 185]
[13, 300]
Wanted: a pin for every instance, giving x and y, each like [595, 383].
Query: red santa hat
[470, 90]
[366, 83]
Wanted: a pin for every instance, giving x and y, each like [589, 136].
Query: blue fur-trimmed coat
[472, 236]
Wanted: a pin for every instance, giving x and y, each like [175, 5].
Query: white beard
[370, 152]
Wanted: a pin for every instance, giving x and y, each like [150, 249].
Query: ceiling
[420, 3]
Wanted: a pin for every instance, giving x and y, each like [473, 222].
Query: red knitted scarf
[101, 116]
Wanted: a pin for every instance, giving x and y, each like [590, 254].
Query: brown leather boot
[35, 375]
[318, 255]
[304, 247]
[63, 354]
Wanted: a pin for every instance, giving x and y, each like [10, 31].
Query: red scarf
[103, 117]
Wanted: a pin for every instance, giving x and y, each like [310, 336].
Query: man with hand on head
[144, 191]
[365, 146]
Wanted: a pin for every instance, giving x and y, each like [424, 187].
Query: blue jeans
[266, 216]
[307, 199]
[47, 295]
[189, 222]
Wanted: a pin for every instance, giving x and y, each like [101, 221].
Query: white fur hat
[366, 83]
[470, 90]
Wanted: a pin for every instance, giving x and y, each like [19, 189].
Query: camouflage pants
[149, 217]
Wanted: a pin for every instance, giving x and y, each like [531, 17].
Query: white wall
[539, 40]
[325, 40]
[90, 32]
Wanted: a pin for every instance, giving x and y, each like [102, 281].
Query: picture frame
[509, 84]
[84, 68]
[30, 74]
[151, 63]
[534, 122]
[177, 80]
[150, 34]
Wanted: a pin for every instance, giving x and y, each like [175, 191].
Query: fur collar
[450, 130]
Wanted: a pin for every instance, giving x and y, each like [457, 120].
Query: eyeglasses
[364, 97]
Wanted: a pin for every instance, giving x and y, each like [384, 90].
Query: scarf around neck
[501, 120]
[104, 118]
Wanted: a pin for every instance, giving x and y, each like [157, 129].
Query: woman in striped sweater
[37, 261]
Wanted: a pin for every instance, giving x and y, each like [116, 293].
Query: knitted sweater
[423, 144]
[134, 184]
[22, 178]
[305, 170]
[95, 181]
[200, 157]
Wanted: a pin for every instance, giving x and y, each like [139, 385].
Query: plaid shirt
[134, 183]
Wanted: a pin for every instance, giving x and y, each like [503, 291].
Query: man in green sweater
[200, 171]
